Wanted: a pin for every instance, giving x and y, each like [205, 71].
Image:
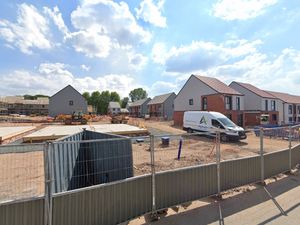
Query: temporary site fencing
[95, 178]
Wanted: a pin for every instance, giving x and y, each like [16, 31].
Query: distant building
[21, 106]
[257, 104]
[162, 106]
[201, 93]
[288, 107]
[67, 101]
[139, 108]
[114, 108]
[92, 109]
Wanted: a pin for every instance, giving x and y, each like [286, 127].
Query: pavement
[276, 203]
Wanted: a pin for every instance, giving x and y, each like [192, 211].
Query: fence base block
[291, 172]
[262, 183]
[153, 217]
[218, 197]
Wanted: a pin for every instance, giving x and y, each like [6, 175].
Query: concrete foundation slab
[9, 132]
[55, 132]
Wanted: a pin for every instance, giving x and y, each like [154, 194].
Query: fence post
[48, 183]
[218, 159]
[262, 162]
[290, 148]
[154, 213]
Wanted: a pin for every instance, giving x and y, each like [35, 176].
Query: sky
[97, 45]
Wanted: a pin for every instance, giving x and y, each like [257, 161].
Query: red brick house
[257, 103]
[202, 93]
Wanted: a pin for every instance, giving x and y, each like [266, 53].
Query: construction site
[194, 149]
[135, 162]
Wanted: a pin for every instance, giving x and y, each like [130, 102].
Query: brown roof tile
[255, 90]
[217, 85]
[286, 97]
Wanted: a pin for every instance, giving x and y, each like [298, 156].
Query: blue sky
[154, 44]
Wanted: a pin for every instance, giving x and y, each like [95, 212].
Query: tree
[34, 97]
[124, 102]
[137, 94]
[87, 96]
[114, 97]
[104, 100]
[95, 99]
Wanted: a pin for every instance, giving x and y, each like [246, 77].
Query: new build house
[162, 106]
[288, 107]
[67, 101]
[19, 105]
[208, 94]
[114, 108]
[139, 108]
[257, 103]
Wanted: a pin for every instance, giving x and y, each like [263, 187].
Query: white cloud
[239, 60]
[56, 16]
[163, 87]
[200, 55]
[85, 67]
[159, 53]
[151, 13]
[51, 77]
[91, 43]
[28, 32]
[277, 73]
[241, 9]
[136, 60]
[110, 18]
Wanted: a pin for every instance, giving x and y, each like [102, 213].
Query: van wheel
[189, 130]
[224, 138]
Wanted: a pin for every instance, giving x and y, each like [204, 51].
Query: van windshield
[227, 122]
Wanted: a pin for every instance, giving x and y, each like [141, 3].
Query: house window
[204, 103]
[71, 102]
[228, 102]
[273, 105]
[299, 119]
[274, 117]
[266, 105]
[238, 103]
[191, 101]
[290, 119]
[298, 109]
[290, 109]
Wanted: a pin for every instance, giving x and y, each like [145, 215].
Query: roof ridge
[220, 87]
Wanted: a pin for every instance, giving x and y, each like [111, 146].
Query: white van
[203, 121]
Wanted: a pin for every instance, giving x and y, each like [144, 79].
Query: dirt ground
[21, 176]
[195, 149]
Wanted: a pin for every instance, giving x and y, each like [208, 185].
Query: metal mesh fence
[21, 172]
[141, 155]
[180, 168]
[183, 150]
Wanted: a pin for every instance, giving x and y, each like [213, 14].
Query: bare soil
[196, 149]
[21, 176]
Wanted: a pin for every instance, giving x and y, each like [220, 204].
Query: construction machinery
[75, 118]
[120, 118]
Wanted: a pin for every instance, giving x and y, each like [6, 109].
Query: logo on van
[203, 120]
